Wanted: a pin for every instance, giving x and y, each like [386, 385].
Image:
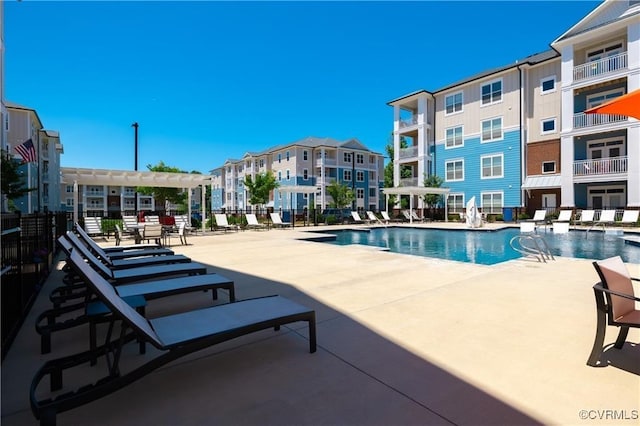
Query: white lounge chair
[586, 217]
[387, 219]
[629, 217]
[93, 225]
[277, 221]
[561, 225]
[539, 217]
[222, 223]
[356, 217]
[607, 217]
[373, 218]
[252, 222]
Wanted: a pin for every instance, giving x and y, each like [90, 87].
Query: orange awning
[628, 105]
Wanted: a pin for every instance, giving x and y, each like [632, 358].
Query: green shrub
[523, 216]
[331, 220]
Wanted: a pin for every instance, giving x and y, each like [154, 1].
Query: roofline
[13, 105]
[589, 15]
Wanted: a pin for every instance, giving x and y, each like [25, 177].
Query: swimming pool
[484, 247]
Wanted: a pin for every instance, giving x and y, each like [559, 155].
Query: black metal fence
[27, 249]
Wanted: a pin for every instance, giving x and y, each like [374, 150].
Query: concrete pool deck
[402, 340]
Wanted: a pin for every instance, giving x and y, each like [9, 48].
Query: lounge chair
[407, 215]
[629, 217]
[182, 233]
[539, 217]
[134, 262]
[252, 222]
[124, 252]
[615, 304]
[373, 218]
[607, 217]
[130, 224]
[136, 296]
[174, 336]
[356, 217]
[586, 217]
[152, 220]
[222, 223]
[562, 223]
[93, 225]
[277, 221]
[123, 276]
[388, 219]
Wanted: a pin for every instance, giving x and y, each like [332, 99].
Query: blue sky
[208, 81]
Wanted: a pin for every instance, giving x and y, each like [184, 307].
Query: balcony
[410, 121]
[601, 166]
[409, 181]
[410, 152]
[582, 120]
[600, 67]
[326, 181]
[326, 162]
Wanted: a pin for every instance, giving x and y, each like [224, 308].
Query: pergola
[419, 191]
[79, 176]
[298, 189]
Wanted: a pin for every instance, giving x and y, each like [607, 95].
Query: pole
[135, 164]
[353, 180]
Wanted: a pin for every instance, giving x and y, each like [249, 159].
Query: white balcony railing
[581, 119]
[602, 166]
[411, 121]
[410, 152]
[409, 181]
[326, 181]
[599, 67]
[326, 162]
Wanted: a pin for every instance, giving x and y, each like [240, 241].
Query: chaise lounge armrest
[599, 287]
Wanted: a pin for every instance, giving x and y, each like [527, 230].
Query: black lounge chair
[174, 336]
[121, 252]
[123, 276]
[133, 262]
[615, 304]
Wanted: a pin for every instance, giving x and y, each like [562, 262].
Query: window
[6, 122]
[491, 166]
[372, 192]
[454, 137]
[548, 85]
[305, 155]
[492, 92]
[360, 193]
[279, 158]
[287, 154]
[548, 167]
[305, 174]
[347, 157]
[548, 125]
[262, 163]
[454, 170]
[288, 174]
[346, 174]
[69, 188]
[359, 176]
[453, 103]
[359, 158]
[602, 97]
[69, 202]
[455, 203]
[279, 175]
[492, 129]
[492, 202]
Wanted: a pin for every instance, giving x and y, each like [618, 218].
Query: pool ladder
[532, 245]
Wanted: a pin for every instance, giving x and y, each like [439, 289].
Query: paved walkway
[402, 340]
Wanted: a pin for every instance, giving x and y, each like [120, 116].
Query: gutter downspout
[523, 142]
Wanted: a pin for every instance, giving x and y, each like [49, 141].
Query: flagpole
[135, 156]
[38, 168]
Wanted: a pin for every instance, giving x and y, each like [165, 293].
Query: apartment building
[303, 169]
[600, 154]
[25, 136]
[516, 136]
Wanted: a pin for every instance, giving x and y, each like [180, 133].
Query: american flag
[27, 151]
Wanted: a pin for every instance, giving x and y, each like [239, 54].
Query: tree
[260, 187]
[432, 181]
[162, 194]
[341, 194]
[13, 183]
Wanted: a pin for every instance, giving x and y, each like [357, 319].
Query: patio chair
[136, 296]
[153, 220]
[277, 221]
[373, 218]
[607, 217]
[539, 217]
[222, 223]
[388, 219]
[131, 262]
[174, 336]
[407, 215]
[252, 222]
[586, 217]
[130, 224]
[629, 217]
[562, 223]
[93, 225]
[356, 217]
[615, 304]
[152, 232]
[182, 233]
[121, 252]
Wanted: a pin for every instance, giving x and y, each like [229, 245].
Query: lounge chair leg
[45, 342]
[232, 294]
[92, 341]
[594, 358]
[48, 417]
[622, 337]
[214, 293]
[312, 333]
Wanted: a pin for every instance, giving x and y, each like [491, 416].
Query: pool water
[486, 247]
